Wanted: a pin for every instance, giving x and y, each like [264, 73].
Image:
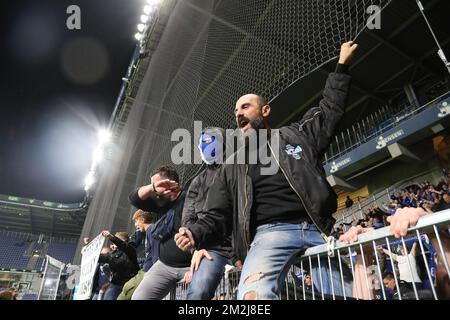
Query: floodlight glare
[147, 10]
[98, 156]
[103, 136]
[141, 27]
[138, 36]
[144, 18]
[90, 180]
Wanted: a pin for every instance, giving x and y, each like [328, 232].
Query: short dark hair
[261, 100]
[388, 275]
[167, 172]
[123, 236]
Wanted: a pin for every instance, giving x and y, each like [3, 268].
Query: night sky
[58, 87]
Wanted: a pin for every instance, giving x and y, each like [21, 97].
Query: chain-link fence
[204, 54]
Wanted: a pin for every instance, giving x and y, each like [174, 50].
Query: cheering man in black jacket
[275, 216]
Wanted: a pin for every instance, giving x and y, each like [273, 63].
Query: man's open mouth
[243, 123]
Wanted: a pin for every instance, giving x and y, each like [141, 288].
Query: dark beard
[257, 123]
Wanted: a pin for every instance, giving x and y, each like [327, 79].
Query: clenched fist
[347, 51]
[184, 239]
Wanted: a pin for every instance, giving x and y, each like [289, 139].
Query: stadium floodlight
[141, 27]
[138, 36]
[154, 2]
[144, 18]
[104, 136]
[147, 10]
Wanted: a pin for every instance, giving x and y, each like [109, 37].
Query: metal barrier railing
[368, 280]
[355, 271]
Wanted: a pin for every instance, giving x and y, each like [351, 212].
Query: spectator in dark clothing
[101, 279]
[307, 282]
[137, 240]
[405, 289]
[348, 202]
[142, 222]
[122, 262]
[207, 265]
[443, 204]
[164, 197]
[391, 287]
[377, 221]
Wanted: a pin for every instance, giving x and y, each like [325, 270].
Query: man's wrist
[341, 68]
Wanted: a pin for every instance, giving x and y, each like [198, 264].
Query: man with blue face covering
[207, 266]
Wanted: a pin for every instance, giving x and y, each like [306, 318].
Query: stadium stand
[62, 249]
[13, 249]
[18, 248]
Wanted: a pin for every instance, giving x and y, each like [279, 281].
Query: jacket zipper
[293, 188]
[247, 242]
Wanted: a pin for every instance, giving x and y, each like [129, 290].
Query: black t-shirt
[274, 200]
[169, 253]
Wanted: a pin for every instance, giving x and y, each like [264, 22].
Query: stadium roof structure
[41, 217]
[401, 52]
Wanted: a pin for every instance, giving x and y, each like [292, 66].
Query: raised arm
[144, 198]
[319, 123]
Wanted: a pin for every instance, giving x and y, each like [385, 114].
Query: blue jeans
[271, 254]
[112, 292]
[206, 279]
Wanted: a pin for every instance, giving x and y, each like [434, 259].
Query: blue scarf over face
[210, 148]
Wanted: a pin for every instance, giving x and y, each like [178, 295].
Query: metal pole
[350, 142]
[342, 275]
[440, 51]
[337, 144]
[343, 140]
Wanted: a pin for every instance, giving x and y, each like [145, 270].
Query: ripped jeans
[270, 256]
